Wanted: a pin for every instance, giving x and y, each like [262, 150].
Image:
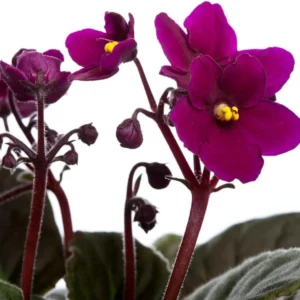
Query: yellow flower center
[225, 113]
[109, 47]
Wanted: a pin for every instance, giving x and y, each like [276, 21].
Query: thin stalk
[15, 192]
[129, 249]
[5, 123]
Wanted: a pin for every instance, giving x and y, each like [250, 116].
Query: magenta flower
[31, 64]
[25, 108]
[101, 53]
[209, 33]
[227, 121]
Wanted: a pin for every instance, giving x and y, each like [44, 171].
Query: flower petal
[244, 81]
[228, 155]
[116, 26]
[86, 47]
[31, 63]
[60, 87]
[204, 83]
[209, 31]
[26, 109]
[192, 125]
[123, 52]
[92, 73]
[131, 26]
[13, 78]
[54, 53]
[182, 78]
[278, 64]
[271, 126]
[174, 42]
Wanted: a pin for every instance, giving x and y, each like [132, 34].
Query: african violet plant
[223, 109]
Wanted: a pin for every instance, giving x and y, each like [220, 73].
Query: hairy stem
[199, 204]
[37, 205]
[129, 250]
[53, 184]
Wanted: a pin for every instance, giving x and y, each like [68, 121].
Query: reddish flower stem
[53, 184]
[200, 197]
[37, 204]
[15, 192]
[129, 249]
[63, 202]
[199, 204]
[146, 85]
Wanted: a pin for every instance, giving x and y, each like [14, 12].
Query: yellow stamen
[224, 113]
[109, 47]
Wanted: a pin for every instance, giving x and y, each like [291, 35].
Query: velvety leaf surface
[9, 291]
[264, 277]
[95, 270]
[14, 217]
[233, 246]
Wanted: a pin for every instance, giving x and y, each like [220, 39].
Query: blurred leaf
[233, 246]
[9, 291]
[14, 217]
[263, 277]
[57, 294]
[95, 270]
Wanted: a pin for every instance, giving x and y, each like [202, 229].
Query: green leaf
[233, 246]
[9, 291]
[95, 270]
[14, 216]
[264, 277]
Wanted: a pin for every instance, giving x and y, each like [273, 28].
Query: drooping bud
[51, 136]
[129, 134]
[145, 214]
[71, 157]
[157, 175]
[88, 134]
[9, 161]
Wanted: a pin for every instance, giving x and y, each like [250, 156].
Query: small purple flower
[209, 33]
[227, 121]
[101, 53]
[30, 65]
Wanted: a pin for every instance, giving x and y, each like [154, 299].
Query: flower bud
[157, 175]
[9, 161]
[51, 136]
[88, 134]
[71, 157]
[146, 216]
[129, 134]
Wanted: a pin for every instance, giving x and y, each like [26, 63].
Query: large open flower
[227, 121]
[209, 33]
[101, 53]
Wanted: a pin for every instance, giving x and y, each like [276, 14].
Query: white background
[96, 187]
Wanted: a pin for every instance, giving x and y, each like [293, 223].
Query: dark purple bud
[51, 136]
[88, 134]
[71, 157]
[129, 134]
[157, 175]
[146, 216]
[9, 161]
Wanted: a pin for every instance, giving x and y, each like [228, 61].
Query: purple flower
[227, 121]
[101, 53]
[30, 67]
[209, 33]
[25, 108]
